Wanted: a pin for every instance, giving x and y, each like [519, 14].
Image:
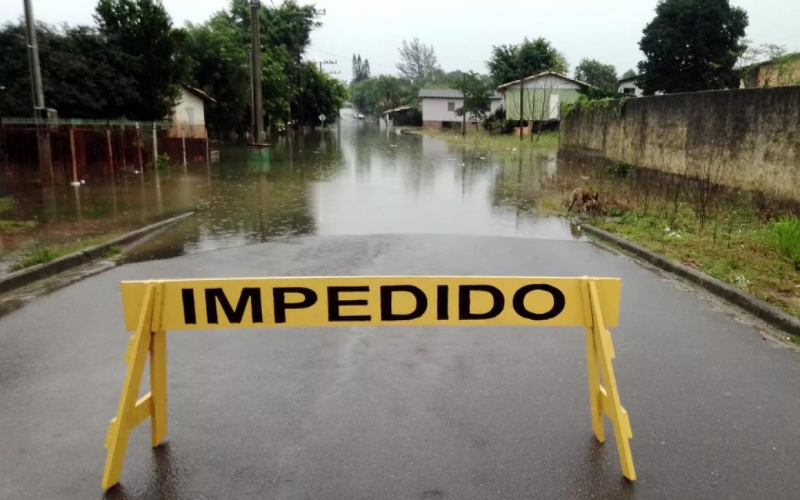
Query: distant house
[544, 95]
[782, 71]
[188, 116]
[629, 87]
[439, 107]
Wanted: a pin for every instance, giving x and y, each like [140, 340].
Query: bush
[787, 231]
[164, 164]
[494, 122]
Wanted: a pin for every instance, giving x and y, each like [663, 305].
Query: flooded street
[352, 179]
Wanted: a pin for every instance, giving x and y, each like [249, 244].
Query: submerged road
[396, 413]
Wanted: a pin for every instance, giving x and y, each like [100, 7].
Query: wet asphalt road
[385, 413]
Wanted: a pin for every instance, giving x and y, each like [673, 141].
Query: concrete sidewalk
[386, 412]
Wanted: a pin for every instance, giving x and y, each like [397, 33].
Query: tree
[377, 94]
[692, 45]
[360, 69]
[595, 73]
[322, 94]
[143, 31]
[220, 67]
[80, 73]
[768, 65]
[628, 74]
[418, 61]
[531, 57]
[477, 99]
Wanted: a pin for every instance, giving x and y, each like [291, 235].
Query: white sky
[463, 31]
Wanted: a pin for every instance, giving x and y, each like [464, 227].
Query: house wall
[777, 74]
[188, 117]
[435, 109]
[534, 99]
[630, 85]
[753, 134]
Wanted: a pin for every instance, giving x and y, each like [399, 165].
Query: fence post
[155, 147]
[139, 148]
[183, 145]
[208, 158]
[110, 154]
[72, 152]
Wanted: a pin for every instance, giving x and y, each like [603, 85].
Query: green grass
[787, 232]
[42, 254]
[745, 253]
[502, 143]
[12, 226]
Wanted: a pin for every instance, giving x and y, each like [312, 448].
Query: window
[629, 91]
[451, 106]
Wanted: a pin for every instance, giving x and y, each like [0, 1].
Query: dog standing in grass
[585, 199]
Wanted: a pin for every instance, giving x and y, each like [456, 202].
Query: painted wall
[752, 134]
[631, 87]
[188, 116]
[435, 109]
[537, 94]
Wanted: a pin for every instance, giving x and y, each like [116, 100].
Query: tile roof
[447, 94]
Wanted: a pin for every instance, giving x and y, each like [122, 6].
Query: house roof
[547, 73]
[396, 110]
[789, 56]
[447, 94]
[629, 79]
[199, 93]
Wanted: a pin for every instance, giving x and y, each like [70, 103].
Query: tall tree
[692, 45]
[419, 61]
[477, 99]
[512, 62]
[143, 31]
[80, 73]
[360, 68]
[628, 74]
[595, 73]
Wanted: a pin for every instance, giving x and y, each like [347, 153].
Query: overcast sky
[463, 31]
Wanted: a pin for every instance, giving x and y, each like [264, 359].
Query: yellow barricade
[153, 307]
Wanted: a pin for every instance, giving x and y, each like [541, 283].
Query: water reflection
[351, 179]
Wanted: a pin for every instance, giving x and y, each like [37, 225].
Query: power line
[345, 57]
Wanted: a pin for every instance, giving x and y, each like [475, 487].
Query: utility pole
[255, 65]
[37, 91]
[521, 101]
[33, 55]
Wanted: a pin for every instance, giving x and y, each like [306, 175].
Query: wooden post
[110, 154]
[139, 148]
[208, 157]
[72, 152]
[122, 147]
[155, 147]
[521, 103]
[183, 145]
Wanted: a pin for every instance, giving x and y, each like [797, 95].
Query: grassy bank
[482, 140]
[12, 225]
[41, 254]
[741, 239]
[745, 254]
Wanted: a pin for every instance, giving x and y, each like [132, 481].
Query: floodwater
[353, 178]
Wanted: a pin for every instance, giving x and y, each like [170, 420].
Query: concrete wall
[435, 109]
[188, 115]
[751, 135]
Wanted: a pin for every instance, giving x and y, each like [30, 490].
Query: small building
[781, 71]
[439, 107]
[544, 95]
[403, 116]
[188, 116]
[629, 87]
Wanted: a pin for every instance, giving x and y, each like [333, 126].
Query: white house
[188, 116]
[628, 86]
[439, 107]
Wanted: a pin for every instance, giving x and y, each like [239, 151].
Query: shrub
[787, 231]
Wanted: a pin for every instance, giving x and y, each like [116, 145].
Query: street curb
[27, 276]
[749, 303]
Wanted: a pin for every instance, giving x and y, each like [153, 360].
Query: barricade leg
[130, 412]
[607, 400]
[158, 371]
[595, 393]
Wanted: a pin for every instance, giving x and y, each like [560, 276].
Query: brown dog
[586, 200]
